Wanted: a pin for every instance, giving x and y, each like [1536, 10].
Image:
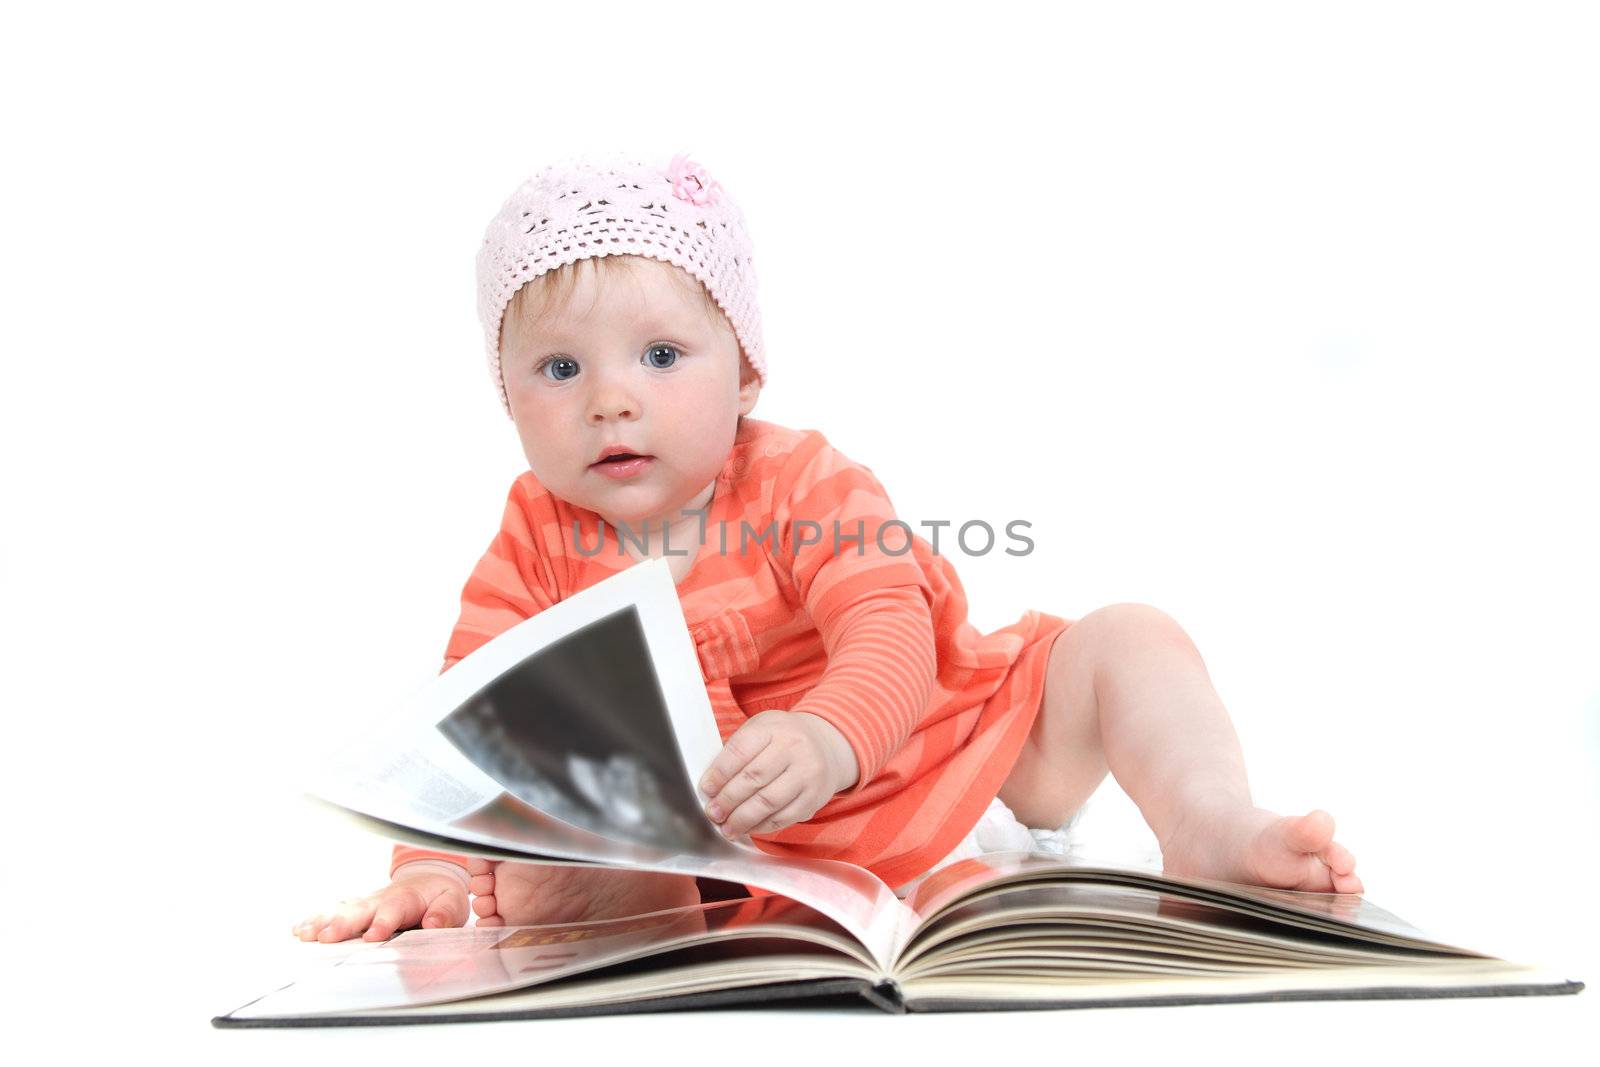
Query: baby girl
[864, 718]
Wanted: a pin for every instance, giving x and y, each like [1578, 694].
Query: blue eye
[564, 362]
[651, 352]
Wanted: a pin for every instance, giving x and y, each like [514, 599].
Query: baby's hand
[776, 770]
[429, 898]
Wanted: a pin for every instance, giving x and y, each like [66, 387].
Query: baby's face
[634, 359]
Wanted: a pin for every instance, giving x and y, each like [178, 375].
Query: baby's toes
[1338, 858]
[1348, 883]
[1311, 832]
[1278, 856]
[481, 885]
[483, 907]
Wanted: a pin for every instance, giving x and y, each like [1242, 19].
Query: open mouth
[623, 465]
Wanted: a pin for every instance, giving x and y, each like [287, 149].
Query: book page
[422, 967]
[1150, 924]
[579, 733]
[994, 872]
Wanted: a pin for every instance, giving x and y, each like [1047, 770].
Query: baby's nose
[612, 402]
[620, 409]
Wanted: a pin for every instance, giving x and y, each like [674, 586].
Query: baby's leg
[530, 893]
[1126, 690]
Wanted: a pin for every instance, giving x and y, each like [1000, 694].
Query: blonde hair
[550, 293]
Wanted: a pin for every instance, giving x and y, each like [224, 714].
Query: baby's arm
[879, 678]
[781, 767]
[871, 609]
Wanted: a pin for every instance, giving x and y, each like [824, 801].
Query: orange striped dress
[866, 628]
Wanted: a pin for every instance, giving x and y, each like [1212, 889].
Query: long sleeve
[879, 676]
[511, 582]
[852, 563]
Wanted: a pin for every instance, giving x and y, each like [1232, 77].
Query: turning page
[579, 734]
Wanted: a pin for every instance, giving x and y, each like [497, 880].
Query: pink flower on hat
[691, 182]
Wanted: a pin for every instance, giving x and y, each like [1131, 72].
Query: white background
[1281, 318]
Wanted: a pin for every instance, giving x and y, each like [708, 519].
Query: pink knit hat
[613, 205]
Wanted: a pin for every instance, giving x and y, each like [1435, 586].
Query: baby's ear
[749, 386]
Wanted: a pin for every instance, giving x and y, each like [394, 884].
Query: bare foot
[1252, 845]
[531, 893]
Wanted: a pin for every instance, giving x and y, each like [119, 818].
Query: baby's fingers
[396, 911]
[349, 918]
[309, 928]
[771, 801]
[746, 743]
[446, 909]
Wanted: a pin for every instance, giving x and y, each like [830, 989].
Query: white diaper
[999, 831]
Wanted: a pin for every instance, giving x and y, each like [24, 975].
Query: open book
[576, 737]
